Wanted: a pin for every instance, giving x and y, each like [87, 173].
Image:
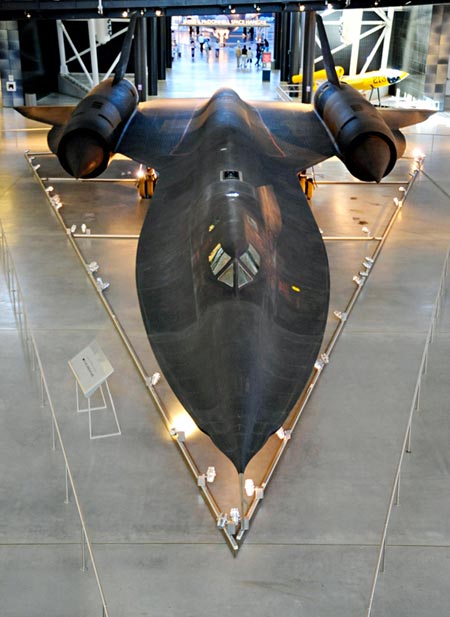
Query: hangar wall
[421, 46]
[10, 66]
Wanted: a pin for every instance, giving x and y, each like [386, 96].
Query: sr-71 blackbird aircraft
[232, 273]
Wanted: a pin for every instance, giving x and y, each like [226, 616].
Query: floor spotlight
[101, 284]
[154, 380]
[235, 515]
[222, 520]
[249, 487]
[210, 474]
[342, 315]
[179, 435]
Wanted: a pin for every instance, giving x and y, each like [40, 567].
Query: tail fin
[327, 55]
[121, 67]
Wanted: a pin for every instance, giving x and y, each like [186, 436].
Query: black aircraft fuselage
[232, 273]
[232, 277]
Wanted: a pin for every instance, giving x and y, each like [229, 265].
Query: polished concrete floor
[312, 547]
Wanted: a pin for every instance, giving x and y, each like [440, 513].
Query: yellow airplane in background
[363, 81]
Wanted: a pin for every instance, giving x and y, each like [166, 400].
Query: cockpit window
[218, 259]
[227, 276]
[243, 277]
[251, 260]
[236, 272]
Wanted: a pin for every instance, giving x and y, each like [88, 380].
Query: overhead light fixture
[125, 14]
[301, 7]
[158, 12]
[93, 267]
[49, 189]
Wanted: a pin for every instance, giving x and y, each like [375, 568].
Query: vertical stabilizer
[121, 67]
[327, 55]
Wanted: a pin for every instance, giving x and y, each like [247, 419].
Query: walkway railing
[26, 331]
[406, 444]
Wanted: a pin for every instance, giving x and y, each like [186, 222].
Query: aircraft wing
[56, 115]
[298, 131]
[399, 118]
[160, 127]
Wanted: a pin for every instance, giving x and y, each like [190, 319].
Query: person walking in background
[259, 50]
[192, 49]
[238, 54]
[244, 57]
[249, 57]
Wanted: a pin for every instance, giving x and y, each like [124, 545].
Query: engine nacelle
[90, 137]
[366, 145]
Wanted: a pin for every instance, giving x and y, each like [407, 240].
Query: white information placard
[91, 368]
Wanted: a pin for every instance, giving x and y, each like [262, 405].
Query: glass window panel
[227, 276]
[243, 276]
[218, 260]
[249, 263]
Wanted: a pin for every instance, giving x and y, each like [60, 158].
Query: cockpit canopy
[235, 272]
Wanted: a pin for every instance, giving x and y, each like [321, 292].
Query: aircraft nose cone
[82, 155]
[370, 159]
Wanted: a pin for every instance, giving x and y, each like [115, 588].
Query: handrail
[18, 298]
[406, 444]
[207, 495]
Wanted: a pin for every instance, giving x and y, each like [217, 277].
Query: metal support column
[356, 21]
[93, 52]
[284, 46]
[277, 42]
[161, 25]
[309, 43]
[387, 38]
[168, 42]
[294, 66]
[62, 49]
[152, 54]
[140, 57]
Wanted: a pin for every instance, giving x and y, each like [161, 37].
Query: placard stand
[91, 369]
